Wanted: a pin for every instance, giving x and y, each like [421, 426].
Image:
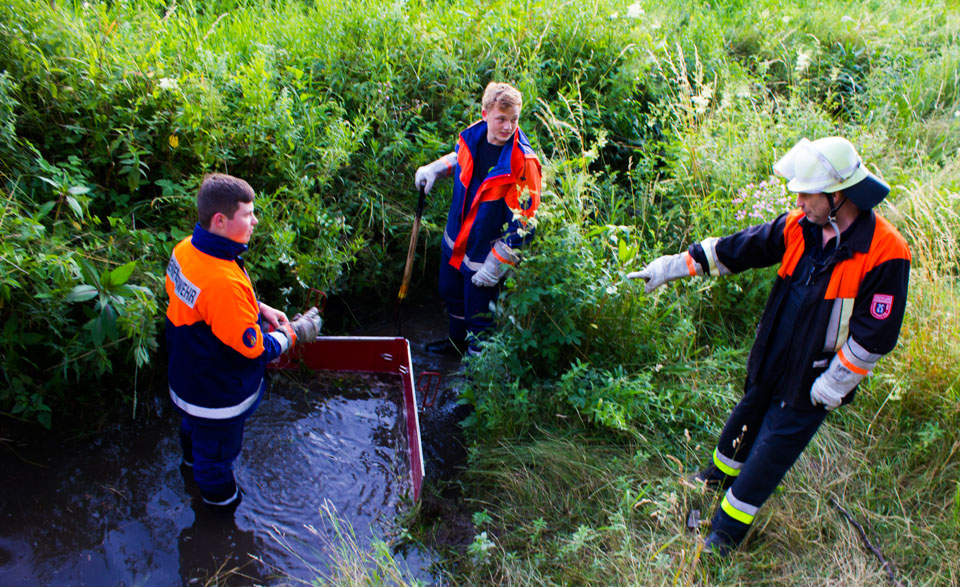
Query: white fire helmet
[829, 165]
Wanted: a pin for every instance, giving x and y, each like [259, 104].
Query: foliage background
[657, 124]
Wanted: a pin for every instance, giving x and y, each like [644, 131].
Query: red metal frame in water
[368, 354]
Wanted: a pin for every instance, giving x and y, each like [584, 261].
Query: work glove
[498, 262]
[427, 175]
[285, 336]
[662, 270]
[839, 379]
[306, 327]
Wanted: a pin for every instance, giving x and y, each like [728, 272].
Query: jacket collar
[857, 236]
[471, 138]
[216, 245]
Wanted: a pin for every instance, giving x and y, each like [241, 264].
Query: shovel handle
[412, 249]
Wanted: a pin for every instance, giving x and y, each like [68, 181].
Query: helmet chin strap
[832, 218]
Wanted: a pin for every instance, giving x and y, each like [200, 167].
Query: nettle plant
[113, 295]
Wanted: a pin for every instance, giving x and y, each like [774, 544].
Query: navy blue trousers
[212, 446]
[761, 440]
[469, 307]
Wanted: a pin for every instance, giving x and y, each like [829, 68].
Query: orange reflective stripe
[485, 193]
[465, 161]
[691, 268]
[793, 236]
[887, 244]
[499, 258]
[529, 181]
[846, 363]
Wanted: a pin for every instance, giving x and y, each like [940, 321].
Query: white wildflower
[702, 100]
[169, 83]
[803, 62]
[634, 10]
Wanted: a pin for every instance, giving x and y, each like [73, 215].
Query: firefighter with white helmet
[835, 309]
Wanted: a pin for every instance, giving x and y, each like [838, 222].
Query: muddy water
[322, 452]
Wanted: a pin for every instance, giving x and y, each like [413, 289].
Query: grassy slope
[569, 505]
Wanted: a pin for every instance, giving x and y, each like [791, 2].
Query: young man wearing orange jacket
[835, 309]
[216, 344]
[496, 192]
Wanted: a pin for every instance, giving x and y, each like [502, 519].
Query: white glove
[838, 380]
[493, 267]
[662, 270]
[303, 328]
[427, 175]
[307, 326]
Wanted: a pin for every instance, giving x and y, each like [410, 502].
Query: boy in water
[496, 192]
[217, 347]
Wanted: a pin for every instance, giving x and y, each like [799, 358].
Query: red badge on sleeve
[881, 306]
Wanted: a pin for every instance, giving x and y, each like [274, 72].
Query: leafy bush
[50, 346]
[325, 109]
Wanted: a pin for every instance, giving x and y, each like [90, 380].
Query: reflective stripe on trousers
[780, 438]
[467, 261]
[729, 466]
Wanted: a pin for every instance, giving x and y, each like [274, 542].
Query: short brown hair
[502, 95]
[222, 193]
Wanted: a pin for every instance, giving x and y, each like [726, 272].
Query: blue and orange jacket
[215, 341]
[855, 297]
[502, 206]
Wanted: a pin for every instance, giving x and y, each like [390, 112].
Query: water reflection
[215, 551]
[119, 510]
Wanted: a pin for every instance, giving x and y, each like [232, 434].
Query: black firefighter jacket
[856, 296]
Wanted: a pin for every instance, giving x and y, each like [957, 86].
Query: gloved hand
[822, 392]
[306, 327]
[285, 336]
[427, 175]
[836, 382]
[498, 262]
[662, 270]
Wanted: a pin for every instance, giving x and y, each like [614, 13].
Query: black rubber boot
[225, 502]
[717, 545]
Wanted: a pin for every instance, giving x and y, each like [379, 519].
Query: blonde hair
[502, 95]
